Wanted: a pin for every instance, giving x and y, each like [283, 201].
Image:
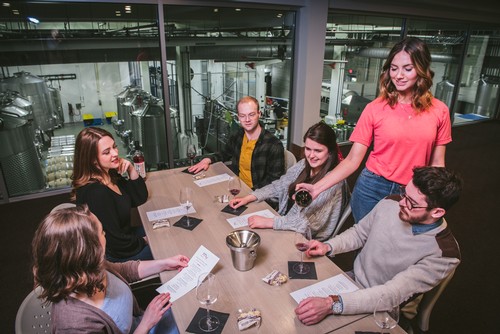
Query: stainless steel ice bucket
[243, 245]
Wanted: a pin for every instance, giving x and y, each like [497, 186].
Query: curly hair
[421, 59]
[86, 168]
[67, 254]
[440, 186]
[322, 134]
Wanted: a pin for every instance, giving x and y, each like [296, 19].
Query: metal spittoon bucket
[243, 245]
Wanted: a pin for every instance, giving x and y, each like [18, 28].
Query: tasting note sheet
[331, 286]
[241, 221]
[201, 262]
[169, 212]
[212, 180]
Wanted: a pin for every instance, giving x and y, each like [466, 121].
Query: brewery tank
[19, 162]
[36, 91]
[444, 91]
[486, 96]
[123, 107]
[55, 95]
[149, 130]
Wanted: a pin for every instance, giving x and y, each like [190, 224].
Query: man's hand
[202, 165]
[313, 309]
[240, 201]
[317, 248]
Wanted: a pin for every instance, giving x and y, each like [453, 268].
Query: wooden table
[366, 324]
[239, 290]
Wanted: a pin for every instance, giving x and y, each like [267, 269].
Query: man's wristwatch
[337, 305]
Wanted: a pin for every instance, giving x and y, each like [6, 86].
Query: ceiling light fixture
[33, 20]
[15, 12]
[216, 10]
[238, 9]
[5, 4]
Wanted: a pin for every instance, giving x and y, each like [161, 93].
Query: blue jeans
[369, 189]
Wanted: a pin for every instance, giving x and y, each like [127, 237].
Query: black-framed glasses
[408, 201]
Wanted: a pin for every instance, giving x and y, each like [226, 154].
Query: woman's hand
[127, 166]
[240, 201]
[178, 262]
[202, 165]
[155, 310]
[260, 222]
[309, 187]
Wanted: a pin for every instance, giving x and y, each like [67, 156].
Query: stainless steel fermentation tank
[55, 95]
[141, 117]
[444, 91]
[34, 89]
[487, 96]
[19, 161]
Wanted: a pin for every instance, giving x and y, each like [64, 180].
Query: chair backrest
[346, 208]
[290, 159]
[427, 303]
[33, 316]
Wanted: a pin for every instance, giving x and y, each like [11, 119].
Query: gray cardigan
[75, 316]
[322, 214]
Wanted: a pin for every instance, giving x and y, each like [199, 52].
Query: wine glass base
[187, 223]
[301, 268]
[209, 324]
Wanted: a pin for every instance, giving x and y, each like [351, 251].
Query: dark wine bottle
[138, 159]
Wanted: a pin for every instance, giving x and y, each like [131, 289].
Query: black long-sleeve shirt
[113, 210]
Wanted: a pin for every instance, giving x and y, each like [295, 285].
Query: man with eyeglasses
[406, 248]
[256, 155]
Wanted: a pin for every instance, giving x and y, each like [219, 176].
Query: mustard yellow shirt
[247, 147]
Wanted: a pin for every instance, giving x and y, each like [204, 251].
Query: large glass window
[357, 45]
[65, 66]
[217, 56]
[478, 96]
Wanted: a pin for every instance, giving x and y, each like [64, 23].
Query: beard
[412, 219]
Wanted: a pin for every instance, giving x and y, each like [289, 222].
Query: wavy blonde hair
[67, 254]
[421, 59]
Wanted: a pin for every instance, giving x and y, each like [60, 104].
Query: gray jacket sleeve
[322, 214]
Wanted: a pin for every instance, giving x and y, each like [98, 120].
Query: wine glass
[234, 186]
[302, 239]
[207, 291]
[385, 319]
[191, 152]
[186, 200]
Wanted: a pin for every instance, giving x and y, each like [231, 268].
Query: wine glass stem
[209, 323]
[301, 266]
[187, 217]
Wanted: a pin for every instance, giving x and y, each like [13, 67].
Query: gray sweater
[394, 262]
[74, 316]
[322, 214]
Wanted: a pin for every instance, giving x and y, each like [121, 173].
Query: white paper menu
[241, 221]
[203, 261]
[212, 180]
[168, 212]
[332, 286]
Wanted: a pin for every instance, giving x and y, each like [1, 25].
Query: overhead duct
[383, 53]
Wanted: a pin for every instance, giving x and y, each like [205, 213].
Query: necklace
[404, 107]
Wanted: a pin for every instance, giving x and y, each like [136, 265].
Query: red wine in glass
[234, 192]
[302, 246]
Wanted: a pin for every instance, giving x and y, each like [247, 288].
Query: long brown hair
[67, 254]
[86, 166]
[421, 59]
[322, 134]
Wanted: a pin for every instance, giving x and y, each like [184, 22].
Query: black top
[113, 210]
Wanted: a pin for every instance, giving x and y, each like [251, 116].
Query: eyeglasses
[408, 201]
